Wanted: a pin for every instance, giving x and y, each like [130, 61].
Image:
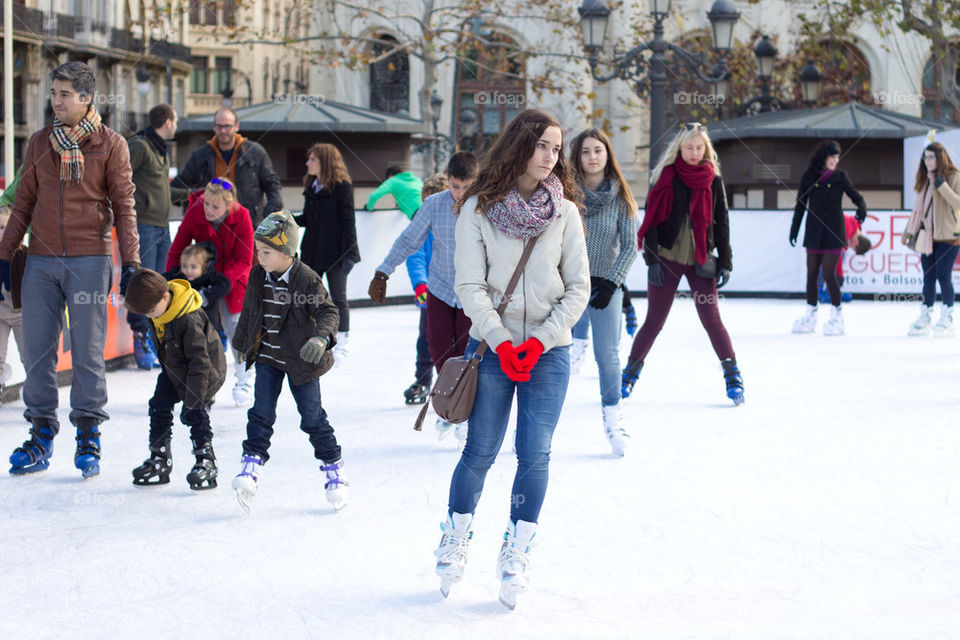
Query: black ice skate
[204, 472]
[155, 469]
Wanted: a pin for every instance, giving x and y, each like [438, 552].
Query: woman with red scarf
[686, 233]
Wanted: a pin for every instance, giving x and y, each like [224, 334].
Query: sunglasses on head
[692, 126]
[223, 183]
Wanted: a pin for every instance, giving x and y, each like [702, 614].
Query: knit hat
[280, 231]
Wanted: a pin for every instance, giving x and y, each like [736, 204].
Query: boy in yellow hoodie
[193, 369]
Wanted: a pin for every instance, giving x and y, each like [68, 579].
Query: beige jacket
[551, 294]
[946, 215]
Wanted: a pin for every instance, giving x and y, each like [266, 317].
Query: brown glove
[378, 287]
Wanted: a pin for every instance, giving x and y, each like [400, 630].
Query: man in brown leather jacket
[75, 188]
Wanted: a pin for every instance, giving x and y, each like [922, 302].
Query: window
[935, 106]
[203, 12]
[198, 77]
[221, 74]
[488, 86]
[389, 78]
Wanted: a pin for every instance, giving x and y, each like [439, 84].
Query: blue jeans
[539, 402]
[606, 344]
[81, 284]
[154, 247]
[263, 413]
[938, 267]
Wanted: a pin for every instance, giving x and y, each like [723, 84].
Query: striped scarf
[66, 140]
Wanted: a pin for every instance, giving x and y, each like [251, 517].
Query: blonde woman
[684, 223]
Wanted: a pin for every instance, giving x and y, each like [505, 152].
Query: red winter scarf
[698, 179]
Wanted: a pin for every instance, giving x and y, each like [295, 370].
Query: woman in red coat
[215, 216]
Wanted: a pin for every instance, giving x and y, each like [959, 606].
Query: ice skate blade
[445, 586]
[203, 485]
[151, 481]
[91, 471]
[508, 597]
[36, 467]
[339, 505]
[245, 500]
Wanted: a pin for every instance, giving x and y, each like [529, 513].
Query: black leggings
[828, 263]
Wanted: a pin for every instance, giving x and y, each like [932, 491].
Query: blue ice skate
[35, 453]
[731, 375]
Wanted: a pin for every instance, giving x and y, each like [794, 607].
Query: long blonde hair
[686, 134]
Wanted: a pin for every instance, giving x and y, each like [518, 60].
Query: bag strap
[514, 279]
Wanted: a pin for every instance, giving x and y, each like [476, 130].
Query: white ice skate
[513, 563]
[336, 486]
[807, 323]
[248, 480]
[617, 436]
[460, 431]
[243, 389]
[578, 354]
[342, 349]
[452, 552]
[834, 326]
[921, 326]
[944, 327]
[443, 428]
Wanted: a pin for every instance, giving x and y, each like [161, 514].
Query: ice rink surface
[826, 507]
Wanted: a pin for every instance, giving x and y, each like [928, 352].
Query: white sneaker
[460, 431]
[578, 354]
[443, 428]
[452, 552]
[616, 435]
[807, 323]
[834, 326]
[342, 349]
[513, 564]
[336, 486]
[944, 327]
[921, 326]
[248, 480]
[243, 388]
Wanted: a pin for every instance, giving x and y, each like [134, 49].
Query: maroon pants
[448, 329]
[660, 299]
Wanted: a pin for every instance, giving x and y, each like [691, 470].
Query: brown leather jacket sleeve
[120, 189]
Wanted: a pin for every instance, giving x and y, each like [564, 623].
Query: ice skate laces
[334, 481]
[453, 545]
[513, 556]
[251, 467]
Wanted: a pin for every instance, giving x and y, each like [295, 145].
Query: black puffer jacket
[192, 357]
[824, 201]
[310, 313]
[329, 228]
[718, 233]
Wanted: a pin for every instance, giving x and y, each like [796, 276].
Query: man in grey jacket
[150, 163]
[243, 162]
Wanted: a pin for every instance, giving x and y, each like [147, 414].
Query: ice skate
[443, 428]
[336, 486]
[34, 454]
[87, 457]
[513, 565]
[807, 323]
[203, 475]
[616, 435]
[416, 393]
[452, 552]
[243, 389]
[342, 349]
[631, 319]
[155, 469]
[944, 327]
[733, 379]
[246, 482]
[460, 431]
[143, 352]
[921, 326]
[578, 354]
[631, 373]
[834, 326]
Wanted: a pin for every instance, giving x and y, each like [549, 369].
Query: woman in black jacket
[821, 194]
[330, 229]
[685, 221]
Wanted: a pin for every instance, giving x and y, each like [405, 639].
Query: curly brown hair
[332, 167]
[507, 160]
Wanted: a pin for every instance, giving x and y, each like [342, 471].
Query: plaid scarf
[66, 141]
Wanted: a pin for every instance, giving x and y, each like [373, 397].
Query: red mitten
[533, 349]
[510, 363]
[420, 293]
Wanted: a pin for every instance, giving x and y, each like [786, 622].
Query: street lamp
[810, 82]
[633, 66]
[143, 81]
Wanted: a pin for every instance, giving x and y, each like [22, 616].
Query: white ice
[826, 507]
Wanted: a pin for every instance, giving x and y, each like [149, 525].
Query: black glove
[126, 272]
[861, 216]
[937, 182]
[793, 237]
[655, 274]
[723, 277]
[601, 290]
[4, 276]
